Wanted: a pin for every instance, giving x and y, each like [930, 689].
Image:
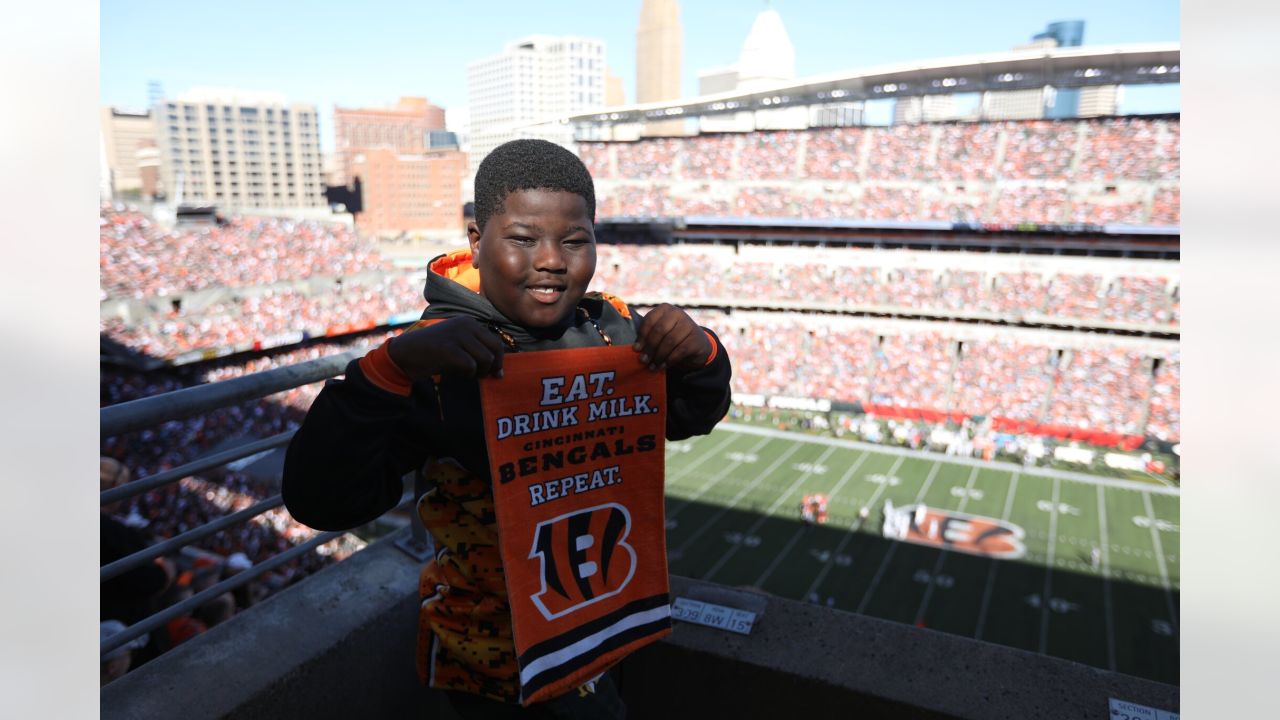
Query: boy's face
[536, 257]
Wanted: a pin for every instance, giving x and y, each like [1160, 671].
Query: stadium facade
[991, 74]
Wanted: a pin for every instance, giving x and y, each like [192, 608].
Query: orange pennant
[576, 444]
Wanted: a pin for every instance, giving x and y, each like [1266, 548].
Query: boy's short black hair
[529, 164]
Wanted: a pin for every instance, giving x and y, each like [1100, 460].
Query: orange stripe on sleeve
[715, 347]
[383, 372]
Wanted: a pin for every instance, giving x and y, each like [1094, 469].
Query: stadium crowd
[1012, 172]
[689, 274]
[246, 319]
[140, 259]
[1103, 388]
[1106, 389]
[1166, 398]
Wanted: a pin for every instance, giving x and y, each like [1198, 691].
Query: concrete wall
[340, 645]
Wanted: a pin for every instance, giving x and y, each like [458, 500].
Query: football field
[733, 517]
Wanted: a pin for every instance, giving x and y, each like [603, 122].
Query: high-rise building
[409, 166]
[533, 81]
[240, 150]
[614, 92]
[409, 192]
[1067, 33]
[124, 132]
[659, 40]
[402, 127]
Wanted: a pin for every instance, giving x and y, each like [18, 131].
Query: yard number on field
[1143, 521]
[824, 556]
[737, 538]
[811, 468]
[925, 577]
[1047, 506]
[1056, 604]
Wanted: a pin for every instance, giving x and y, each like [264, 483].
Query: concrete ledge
[341, 645]
[806, 660]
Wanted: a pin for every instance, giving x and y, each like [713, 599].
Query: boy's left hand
[669, 338]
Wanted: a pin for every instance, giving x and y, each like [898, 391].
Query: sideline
[973, 462]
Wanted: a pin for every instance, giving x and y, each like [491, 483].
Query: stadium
[934, 327]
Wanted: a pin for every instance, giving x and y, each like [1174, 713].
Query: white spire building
[767, 59]
[767, 56]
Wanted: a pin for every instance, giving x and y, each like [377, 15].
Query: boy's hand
[669, 338]
[459, 346]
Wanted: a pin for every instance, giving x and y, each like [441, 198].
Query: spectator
[117, 662]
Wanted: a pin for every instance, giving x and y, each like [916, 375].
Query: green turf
[733, 502]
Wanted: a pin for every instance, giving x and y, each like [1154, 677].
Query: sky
[372, 52]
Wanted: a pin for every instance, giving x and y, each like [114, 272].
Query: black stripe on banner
[551, 675]
[570, 637]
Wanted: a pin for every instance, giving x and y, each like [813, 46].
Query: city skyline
[320, 59]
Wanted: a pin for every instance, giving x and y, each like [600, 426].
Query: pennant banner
[576, 450]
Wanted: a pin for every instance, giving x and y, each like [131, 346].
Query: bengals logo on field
[585, 558]
[953, 530]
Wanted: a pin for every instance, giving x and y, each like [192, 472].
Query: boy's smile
[535, 257]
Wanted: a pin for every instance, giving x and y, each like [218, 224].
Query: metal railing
[192, 401]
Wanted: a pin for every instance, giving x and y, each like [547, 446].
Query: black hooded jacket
[345, 465]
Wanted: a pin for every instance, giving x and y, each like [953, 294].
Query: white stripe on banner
[590, 642]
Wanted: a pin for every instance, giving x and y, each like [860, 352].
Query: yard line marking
[1164, 570]
[884, 563]
[991, 573]
[849, 475]
[942, 556]
[713, 452]
[684, 502]
[777, 560]
[1134, 485]
[1048, 570]
[741, 493]
[764, 517]
[857, 524]
[1106, 583]
[800, 531]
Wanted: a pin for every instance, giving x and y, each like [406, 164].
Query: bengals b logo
[953, 530]
[585, 558]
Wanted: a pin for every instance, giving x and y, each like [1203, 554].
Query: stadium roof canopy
[1063, 67]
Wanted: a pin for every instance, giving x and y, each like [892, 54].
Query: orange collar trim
[456, 266]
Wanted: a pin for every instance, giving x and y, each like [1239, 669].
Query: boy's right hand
[459, 346]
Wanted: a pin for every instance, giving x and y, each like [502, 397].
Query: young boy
[414, 403]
